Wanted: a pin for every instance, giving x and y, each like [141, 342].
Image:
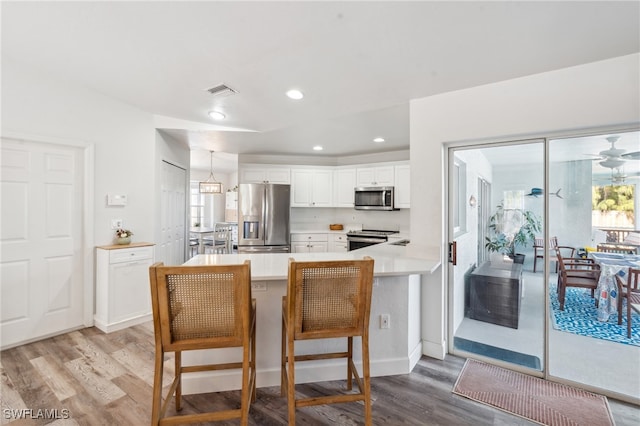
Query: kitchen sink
[400, 243]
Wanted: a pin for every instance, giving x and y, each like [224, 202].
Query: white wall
[124, 139]
[604, 93]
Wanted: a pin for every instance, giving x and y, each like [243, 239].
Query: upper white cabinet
[332, 186]
[375, 176]
[311, 188]
[251, 174]
[344, 182]
[402, 187]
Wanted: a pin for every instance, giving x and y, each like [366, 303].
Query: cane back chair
[327, 299]
[202, 307]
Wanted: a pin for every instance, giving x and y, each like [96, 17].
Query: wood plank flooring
[87, 377]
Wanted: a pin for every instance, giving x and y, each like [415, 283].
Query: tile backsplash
[322, 217]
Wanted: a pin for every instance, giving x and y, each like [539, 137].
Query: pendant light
[211, 185]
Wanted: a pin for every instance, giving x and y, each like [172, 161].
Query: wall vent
[221, 90]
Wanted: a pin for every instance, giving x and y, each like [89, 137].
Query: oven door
[361, 242]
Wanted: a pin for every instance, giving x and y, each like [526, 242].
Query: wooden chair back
[613, 248]
[329, 298]
[633, 280]
[581, 273]
[196, 307]
[628, 289]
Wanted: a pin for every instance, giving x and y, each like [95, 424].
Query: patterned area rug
[534, 399]
[580, 317]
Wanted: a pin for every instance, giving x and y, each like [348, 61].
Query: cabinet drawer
[309, 237]
[341, 238]
[130, 254]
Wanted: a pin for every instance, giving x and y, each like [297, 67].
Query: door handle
[452, 253]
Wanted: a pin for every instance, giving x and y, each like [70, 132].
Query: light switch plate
[116, 200]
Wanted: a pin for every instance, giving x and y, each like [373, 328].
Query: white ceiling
[358, 63]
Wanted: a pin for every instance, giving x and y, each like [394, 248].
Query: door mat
[495, 352]
[538, 400]
[580, 317]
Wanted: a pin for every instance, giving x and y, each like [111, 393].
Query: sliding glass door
[579, 193]
[597, 176]
[497, 309]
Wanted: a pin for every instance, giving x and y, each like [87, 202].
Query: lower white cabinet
[309, 243]
[338, 243]
[123, 295]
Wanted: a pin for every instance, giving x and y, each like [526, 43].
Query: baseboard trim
[108, 328]
[434, 350]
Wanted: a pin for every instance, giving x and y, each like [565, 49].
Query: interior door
[172, 247]
[41, 240]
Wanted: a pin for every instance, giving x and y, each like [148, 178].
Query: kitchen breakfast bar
[398, 280]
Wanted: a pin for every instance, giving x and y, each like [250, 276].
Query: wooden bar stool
[327, 299]
[202, 307]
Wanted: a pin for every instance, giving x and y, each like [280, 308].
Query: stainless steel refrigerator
[263, 218]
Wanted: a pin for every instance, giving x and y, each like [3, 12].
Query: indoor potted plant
[123, 236]
[511, 226]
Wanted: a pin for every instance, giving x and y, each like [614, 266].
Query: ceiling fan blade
[631, 155]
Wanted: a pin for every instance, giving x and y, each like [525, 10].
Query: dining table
[201, 232]
[617, 264]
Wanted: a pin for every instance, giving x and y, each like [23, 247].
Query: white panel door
[41, 240]
[173, 210]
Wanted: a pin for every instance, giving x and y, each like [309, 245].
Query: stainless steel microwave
[374, 198]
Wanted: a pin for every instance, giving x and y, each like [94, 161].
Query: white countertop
[389, 260]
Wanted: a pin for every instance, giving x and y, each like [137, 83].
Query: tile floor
[598, 363]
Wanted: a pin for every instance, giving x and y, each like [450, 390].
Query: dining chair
[202, 307]
[629, 290]
[220, 242]
[327, 299]
[581, 273]
[616, 248]
[538, 249]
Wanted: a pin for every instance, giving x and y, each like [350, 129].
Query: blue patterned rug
[579, 317]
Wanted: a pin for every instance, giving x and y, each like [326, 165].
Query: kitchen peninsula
[396, 292]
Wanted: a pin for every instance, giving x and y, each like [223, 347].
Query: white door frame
[87, 208]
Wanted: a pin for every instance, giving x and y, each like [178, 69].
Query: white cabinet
[123, 295]
[402, 187]
[344, 182]
[251, 174]
[311, 188]
[309, 243]
[231, 206]
[375, 176]
[338, 243]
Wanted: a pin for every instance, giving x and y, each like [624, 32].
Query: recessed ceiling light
[216, 115]
[295, 94]
[378, 140]
[318, 148]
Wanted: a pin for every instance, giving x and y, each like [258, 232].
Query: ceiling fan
[613, 158]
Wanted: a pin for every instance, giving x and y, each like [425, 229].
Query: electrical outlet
[259, 286]
[116, 223]
[385, 321]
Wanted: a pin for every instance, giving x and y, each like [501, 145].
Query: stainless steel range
[367, 237]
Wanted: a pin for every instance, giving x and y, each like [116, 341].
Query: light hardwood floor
[106, 379]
